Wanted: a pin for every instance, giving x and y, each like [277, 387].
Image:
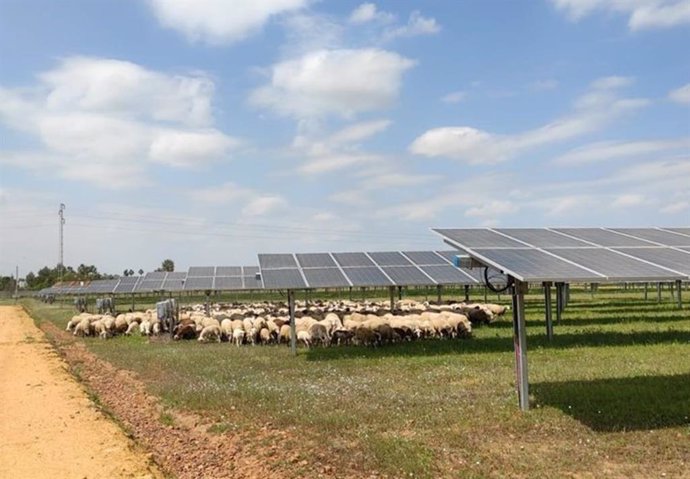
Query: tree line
[47, 276]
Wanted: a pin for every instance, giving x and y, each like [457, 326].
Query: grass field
[610, 395]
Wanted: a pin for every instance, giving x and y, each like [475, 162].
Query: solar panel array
[579, 254]
[197, 278]
[360, 269]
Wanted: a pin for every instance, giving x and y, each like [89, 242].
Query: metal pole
[293, 325]
[658, 292]
[559, 302]
[400, 292]
[61, 215]
[467, 293]
[439, 290]
[679, 287]
[520, 344]
[646, 291]
[547, 310]
[391, 290]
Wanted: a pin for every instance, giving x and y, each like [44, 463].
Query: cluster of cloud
[103, 121]
[642, 14]
[217, 22]
[598, 107]
[252, 202]
[333, 82]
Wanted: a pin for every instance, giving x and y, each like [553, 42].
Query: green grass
[610, 393]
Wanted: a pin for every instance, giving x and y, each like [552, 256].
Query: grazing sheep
[341, 336]
[304, 337]
[238, 336]
[265, 336]
[83, 328]
[210, 333]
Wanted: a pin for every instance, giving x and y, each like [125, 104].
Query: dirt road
[48, 426]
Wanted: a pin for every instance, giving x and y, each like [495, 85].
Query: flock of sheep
[317, 323]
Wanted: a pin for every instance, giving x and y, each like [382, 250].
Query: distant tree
[167, 265]
[125, 272]
[7, 283]
[141, 271]
[130, 272]
[30, 280]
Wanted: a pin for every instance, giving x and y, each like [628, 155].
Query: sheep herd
[317, 323]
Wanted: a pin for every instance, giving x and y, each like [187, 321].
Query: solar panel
[250, 282]
[325, 278]
[683, 231]
[250, 270]
[316, 260]
[126, 284]
[352, 259]
[147, 286]
[667, 257]
[657, 236]
[173, 284]
[554, 257]
[535, 265]
[285, 278]
[229, 271]
[176, 275]
[367, 276]
[155, 275]
[611, 264]
[198, 283]
[200, 271]
[229, 283]
[479, 238]
[602, 237]
[541, 238]
[275, 261]
[422, 258]
[389, 258]
[447, 274]
[407, 276]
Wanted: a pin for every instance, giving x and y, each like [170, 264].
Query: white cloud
[454, 97]
[609, 150]
[327, 163]
[676, 207]
[251, 201]
[681, 94]
[189, 148]
[220, 21]
[368, 12]
[416, 25]
[359, 131]
[333, 82]
[592, 111]
[395, 179]
[264, 205]
[491, 209]
[642, 14]
[105, 121]
[611, 82]
[628, 200]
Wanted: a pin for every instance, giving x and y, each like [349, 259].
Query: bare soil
[181, 445]
[49, 427]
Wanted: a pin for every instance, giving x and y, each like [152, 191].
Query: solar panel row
[579, 254]
[360, 269]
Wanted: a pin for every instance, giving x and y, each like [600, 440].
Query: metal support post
[293, 325]
[439, 292]
[658, 292]
[679, 287]
[467, 293]
[567, 295]
[559, 302]
[520, 344]
[646, 291]
[547, 310]
[400, 293]
[391, 290]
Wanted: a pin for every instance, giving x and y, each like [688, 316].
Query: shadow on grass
[498, 344]
[600, 320]
[637, 403]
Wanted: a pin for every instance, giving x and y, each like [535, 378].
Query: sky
[207, 131]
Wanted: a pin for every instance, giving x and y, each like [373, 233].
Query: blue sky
[208, 131]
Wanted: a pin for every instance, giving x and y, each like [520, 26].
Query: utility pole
[16, 284]
[61, 214]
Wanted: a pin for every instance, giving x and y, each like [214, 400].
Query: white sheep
[210, 333]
